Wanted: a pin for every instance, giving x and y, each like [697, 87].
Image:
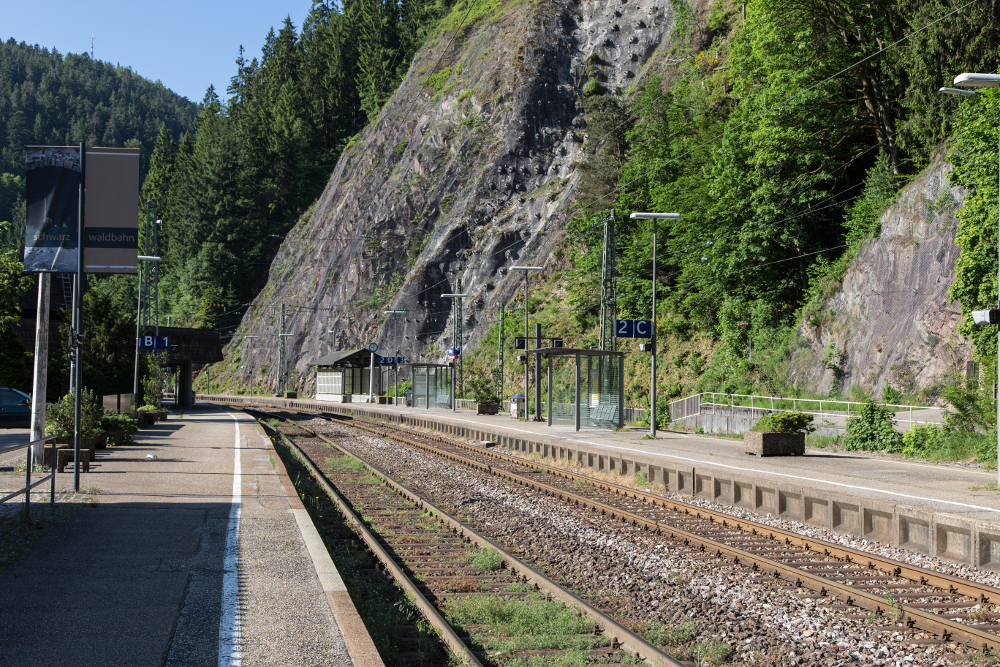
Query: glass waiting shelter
[585, 388]
[431, 385]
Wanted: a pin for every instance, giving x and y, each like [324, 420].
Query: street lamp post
[138, 322]
[526, 269]
[977, 80]
[455, 343]
[250, 364]
[652, 374]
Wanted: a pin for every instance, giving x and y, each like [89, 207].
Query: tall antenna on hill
[91, 46]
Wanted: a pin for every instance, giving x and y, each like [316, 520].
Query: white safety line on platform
[229, 623]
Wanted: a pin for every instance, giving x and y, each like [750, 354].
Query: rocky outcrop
[469, 170]
[892, 321]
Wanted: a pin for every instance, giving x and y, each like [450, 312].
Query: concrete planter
[770, 443]
[487, 408]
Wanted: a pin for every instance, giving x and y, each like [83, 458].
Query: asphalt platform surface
[139, 575]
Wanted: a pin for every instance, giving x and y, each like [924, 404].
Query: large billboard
[53, 205]
[111, 209]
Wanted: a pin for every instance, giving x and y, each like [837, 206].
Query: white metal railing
[710, 402]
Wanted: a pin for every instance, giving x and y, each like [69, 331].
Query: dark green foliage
[228, 192]
[61, 100]
[60, 417]
[780, 144]
[973, 410]
[116, 421]
[785, 422]
[873, 429]
[484, 390]
[15, 362]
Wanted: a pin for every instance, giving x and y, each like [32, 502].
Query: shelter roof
[344, 358]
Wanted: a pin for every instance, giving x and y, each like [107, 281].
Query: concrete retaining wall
[947, 536]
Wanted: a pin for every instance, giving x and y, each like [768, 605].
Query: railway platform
[191, 548]
[946, 510]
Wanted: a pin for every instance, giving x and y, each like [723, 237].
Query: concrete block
[914, 530]
[723, 490]
[685, 480]
[953, 539]
[847, 517]
[816, 511]
[877, 523]
[988, 548]
[765, 499]
[655, 474]
[790, 505]
[743, 495]
[704, 487]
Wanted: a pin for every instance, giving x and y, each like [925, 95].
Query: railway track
[449, 570]
[952, 608]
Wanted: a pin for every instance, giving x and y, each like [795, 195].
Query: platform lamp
[456, 343]
[991, 316]
[526, 269]
[652, 340]
[395, 335]
[249, 366]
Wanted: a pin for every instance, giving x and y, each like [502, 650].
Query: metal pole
[72, 328]
[549, 411]
[40, 379]
[526, 345]
[78, 308]
[576, 419]
[371, 379]
[281, 353]
[138, 318]
[538, 373]
[652, 373]
[454, 404]
[500, 356]
[621, 391]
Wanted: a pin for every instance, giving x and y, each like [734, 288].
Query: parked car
[15, 408]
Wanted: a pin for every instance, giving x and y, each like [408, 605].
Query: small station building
[343, 377]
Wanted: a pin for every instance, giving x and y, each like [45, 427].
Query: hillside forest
[779, 129]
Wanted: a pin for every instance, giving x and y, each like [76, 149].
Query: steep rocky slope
[892, 321]
[468, 171]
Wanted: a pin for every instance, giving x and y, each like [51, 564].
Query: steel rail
[622, 635]
[912, 617]
[432, 615]
[947, 582]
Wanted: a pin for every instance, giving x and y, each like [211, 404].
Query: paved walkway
[944, 488]
[202, 556]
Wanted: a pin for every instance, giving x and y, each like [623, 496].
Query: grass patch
[661, 634]
[461, 15]
[488, 559]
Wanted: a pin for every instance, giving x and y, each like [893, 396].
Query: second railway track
[857, 584]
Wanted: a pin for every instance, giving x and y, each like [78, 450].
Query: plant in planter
[119, 427]
[484, 392]
[148, 414]
[60, 417]
[779, 434]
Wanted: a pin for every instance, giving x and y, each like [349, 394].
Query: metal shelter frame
[578, 354]
[429, 371]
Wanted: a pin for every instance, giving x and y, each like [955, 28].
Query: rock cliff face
[892, 321]
[468, 171]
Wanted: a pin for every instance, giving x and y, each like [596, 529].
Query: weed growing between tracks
[382, 604]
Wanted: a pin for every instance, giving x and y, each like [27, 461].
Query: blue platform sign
[154, 342]
[391, 361]
[453, 352]
[633, 329]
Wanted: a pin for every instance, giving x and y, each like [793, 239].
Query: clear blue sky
[186, 44]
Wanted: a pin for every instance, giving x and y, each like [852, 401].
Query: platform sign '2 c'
[633, 329]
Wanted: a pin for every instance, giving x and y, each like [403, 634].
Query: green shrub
[113, 421]
[149, 408]
[592, 87]
[60, 417]
[873, 429]
[785, 422]
[922, 439]
[484, 390]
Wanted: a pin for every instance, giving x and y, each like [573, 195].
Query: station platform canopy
[344, 376]
[432, 385]
[583, 387]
